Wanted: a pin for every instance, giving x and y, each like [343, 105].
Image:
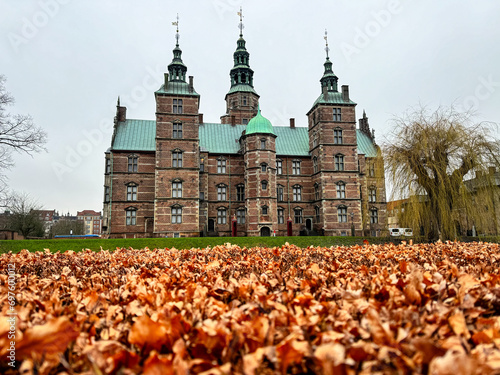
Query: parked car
[399, 232]
[396, 232]
[408, 232]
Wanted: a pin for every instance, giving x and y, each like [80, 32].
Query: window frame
[240, 216]
[341, 190]
[177, 158]
[133, 164]
[297, 193]
[373, 215]
[130, 216]
[281, 215]
[338, 136]
[337, 114]
[132, 192]
[265, 210]
[176, 214]
[342, 214]
[221, 166]
[339, 163]
[221, 192]
[264, 184]
[176, 189]
[177, 130]
[177, 106]
[279, 167]
[280, 193]
[317, 193]
[296, 167]
[222, 216]
[372, 194]
[298, 215]
[315, 164]
[240, 192]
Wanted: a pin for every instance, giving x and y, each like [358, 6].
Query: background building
[92, 221]
[180, 176]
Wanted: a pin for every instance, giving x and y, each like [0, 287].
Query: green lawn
[179, 243]
[187, 243]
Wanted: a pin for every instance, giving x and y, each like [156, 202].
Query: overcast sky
[67, 61]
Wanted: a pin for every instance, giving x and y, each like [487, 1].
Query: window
[202, 195]
[244, 100]
[372, 194]
[177, 106]
[177, 189]
[240, 216]
[240, 193]
[296, 167]
[279, 167]
[106, 194]
[371, 169]
[315, 139]
[177, 159]
[108, 166]
[221, 166]
[176, 215]
[131, 215]
[340, 189]
[281, 215]
[279, 193]
[337, 136]
[264, 210]
[262, 144]
[244, 121]
[131, 192]
[221, 192]
[132, 163]
[315, 164]
[264, 185]
[316, 191]
[316, 212]
[373, 216]
[297, 193]
[337, 114]
[263, 167]
[342, 214]
[177, 130]
[202, 164]
[298, 215]
[339, 162]
[221, 216]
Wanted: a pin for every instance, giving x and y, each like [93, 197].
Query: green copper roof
[259, 124]
[178, 88]
[135, 135]
[139, 135]
[332, 97]
[365, 145]
[242, 88]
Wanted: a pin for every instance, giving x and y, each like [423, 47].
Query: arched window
[131, 191]
[281, 215]
[315, 164]
[177, 130]
[341, 189]
[177, 189]
[133, 161]
[337, 136]
[177, 158]
[262, 144]
[298, 218]
[131, 216]
[222, 216]
[176, 214]
[221, 192]
[372, 194]
[373, 216]
[263, 167]
[339, 162]
[342, 214]
[297, 193]
[264, 185]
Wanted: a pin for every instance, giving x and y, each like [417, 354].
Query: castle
[179, 176]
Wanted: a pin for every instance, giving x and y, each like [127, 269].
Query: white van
[396, 232]
[408, 232]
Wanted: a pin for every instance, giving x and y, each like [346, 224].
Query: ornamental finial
[177, 36]
[241, 26]
[326, 40]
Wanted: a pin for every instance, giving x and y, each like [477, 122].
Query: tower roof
[259, 124]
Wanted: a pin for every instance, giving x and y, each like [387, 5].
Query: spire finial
[177, 36]
[326, 40]
[241, 26]
[118, 102]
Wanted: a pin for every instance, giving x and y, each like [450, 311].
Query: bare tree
[18, 133]
[24, 217]
[428, 156]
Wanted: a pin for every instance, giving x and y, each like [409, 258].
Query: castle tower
[259, 153]
[241, 100]
[176, 209]
[333, 150]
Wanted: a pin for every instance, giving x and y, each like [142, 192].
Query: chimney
[325, 92]
[200, 118]
[492, 170]
[191, 87]
[121, 114]
[292, 123]
[166, 81]
[233, 120]
[345, 93]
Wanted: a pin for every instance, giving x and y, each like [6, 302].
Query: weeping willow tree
[432, 159]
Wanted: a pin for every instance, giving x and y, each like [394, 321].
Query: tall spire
[329, 79]
[241, 74]
[176, 69]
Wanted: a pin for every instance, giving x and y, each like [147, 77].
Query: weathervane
[176, 23]
[326, 39]
[241, 26]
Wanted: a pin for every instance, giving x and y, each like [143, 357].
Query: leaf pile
[426, 309]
